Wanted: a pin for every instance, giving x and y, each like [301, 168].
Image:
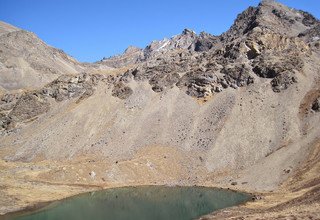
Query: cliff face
[243, 105]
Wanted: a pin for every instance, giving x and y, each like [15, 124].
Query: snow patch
[163, 45]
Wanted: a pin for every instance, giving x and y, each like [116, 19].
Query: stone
[253, 51]
[316, 105]
[256, 197]
[70, 86]
[92, 174]
[121, 91]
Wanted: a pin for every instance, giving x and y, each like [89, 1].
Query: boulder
[121, 91]
[316, 105]
[283, 81]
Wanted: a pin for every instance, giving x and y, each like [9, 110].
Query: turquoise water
[140, 203]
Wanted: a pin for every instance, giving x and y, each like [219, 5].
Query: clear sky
[92, 29]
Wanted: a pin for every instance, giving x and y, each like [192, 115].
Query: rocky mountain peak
[271, 16]
[187, 31]
[132, 49]
[282, 19]
[181, 41]
[133, 55]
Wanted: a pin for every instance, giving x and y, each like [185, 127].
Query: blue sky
[91, 30]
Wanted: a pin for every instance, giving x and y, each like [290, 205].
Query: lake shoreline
[38, 207]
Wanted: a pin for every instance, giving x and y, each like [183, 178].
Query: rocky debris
[198, 84]
[238, 75]
[7, 101]
[272, 65]
[316, 105]
[4, 121]
[160, 82]
[283, 81]
[121, 91]
[28, 106]
[232, 51]
[71, 86]
[282, 15]
[205, 42]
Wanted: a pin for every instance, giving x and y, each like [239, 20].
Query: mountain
[187, 40]
[26, 62]
[239, 110]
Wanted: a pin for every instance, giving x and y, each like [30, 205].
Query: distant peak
[187, 31]
[132, 49]
[272, 4]
[267, 2]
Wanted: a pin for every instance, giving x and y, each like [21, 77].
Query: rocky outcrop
[28, 106]
[237, 75]
[271, 66]
[198, 84]
[69, 86]
[121, 91]
[283, 80]
[19, 108]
